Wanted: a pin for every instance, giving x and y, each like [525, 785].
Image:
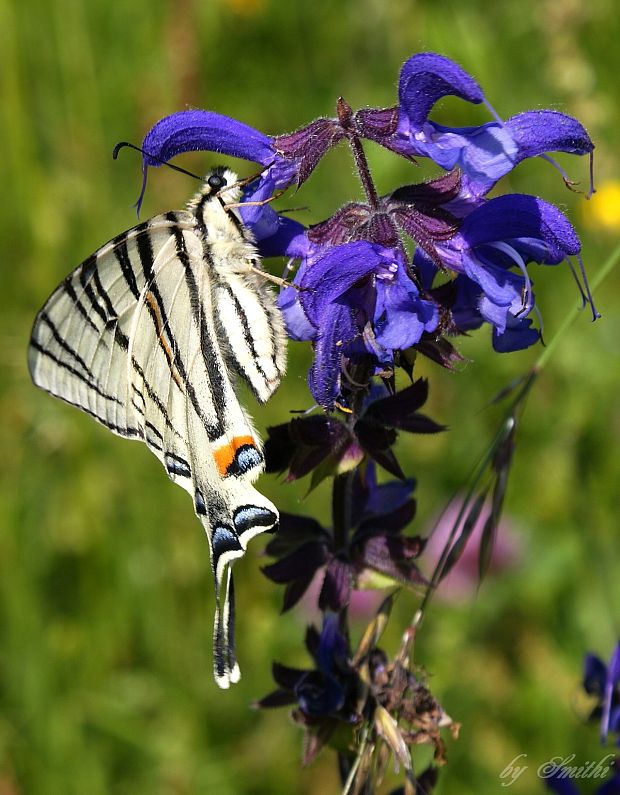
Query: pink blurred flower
[463, 580]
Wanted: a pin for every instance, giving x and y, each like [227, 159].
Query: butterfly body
[148, 335]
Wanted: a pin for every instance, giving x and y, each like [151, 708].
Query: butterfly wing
[130, 338]
[252, 331]
[80, 338]
[220, 454]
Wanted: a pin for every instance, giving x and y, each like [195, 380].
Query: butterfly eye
[216, 181]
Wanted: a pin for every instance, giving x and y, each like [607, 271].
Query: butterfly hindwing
[252, 332]
[143, 336]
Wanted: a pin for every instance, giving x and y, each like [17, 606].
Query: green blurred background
[105, 590]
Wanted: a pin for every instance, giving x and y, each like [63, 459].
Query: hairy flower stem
[345, 116]
[364, 171]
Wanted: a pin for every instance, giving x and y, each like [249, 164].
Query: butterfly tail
[225, 668]
[229, 538]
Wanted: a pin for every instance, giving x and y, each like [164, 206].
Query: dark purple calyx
[416, 210]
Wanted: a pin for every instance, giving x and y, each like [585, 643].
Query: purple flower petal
[524, 135]
[594, 675]
[326, 279]
[540, 131]
[501, 287]
[465, 311]
[204, 130]
[277, 236]
[517, 335]
[484, 153]
[427, 77]
[298, 327]
[402, 316]
[520, 216]
[332, 649]
[387, 497]
[558, 781]
[319, 694]
[336, 591]
[614, 666]
[611, 685]
[199, 130]
[336, 329]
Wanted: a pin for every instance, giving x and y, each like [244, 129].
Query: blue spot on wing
[246, 458]
[177, 465]
[224, 539]
[249, 516]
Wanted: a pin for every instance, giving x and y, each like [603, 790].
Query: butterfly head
[222, 182]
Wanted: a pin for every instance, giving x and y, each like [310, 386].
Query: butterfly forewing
[143, 336]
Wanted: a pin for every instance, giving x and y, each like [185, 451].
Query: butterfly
[148, 336]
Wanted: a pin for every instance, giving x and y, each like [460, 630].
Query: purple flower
[484, 153]
[603, 682]
[326, 696]
[344, 691]
[502, 233]
[359, 297]
[376, 544]
[324, 445]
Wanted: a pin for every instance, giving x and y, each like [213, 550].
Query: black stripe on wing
[61, 342]
[177, 465]
[248, 337]
[126, 432]
[70, 290]
[209, 346]
[86, 273]
[152, 395]
[121, 253]
[74, 372]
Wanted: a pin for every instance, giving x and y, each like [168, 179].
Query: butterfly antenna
[123, 144]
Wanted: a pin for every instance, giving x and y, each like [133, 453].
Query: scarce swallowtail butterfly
[147, 336]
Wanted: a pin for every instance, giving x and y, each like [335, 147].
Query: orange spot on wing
[225, 455]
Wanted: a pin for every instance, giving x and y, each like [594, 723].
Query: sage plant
[377, 284]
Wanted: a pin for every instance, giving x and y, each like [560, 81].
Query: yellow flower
[603, 209]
